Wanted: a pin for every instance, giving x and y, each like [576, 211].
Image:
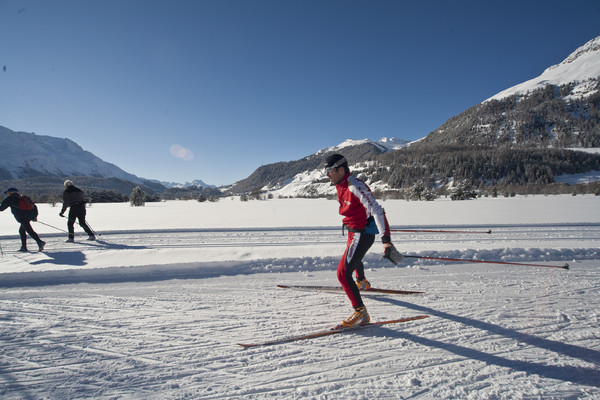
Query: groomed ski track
[157, 314]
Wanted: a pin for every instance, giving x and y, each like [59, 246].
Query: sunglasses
[336, 165]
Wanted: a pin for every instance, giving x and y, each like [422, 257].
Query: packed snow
[155, 308]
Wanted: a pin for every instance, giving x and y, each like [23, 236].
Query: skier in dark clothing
[23, 216]
[74, 199]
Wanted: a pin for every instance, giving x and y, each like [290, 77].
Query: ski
[339, 289]
[331, 331]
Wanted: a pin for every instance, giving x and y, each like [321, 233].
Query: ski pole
[566, 266]
[88, 225]
[51, 226]
[92, 229]
[441, 231]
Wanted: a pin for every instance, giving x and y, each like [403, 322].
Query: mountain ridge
[41, 163]
[525, 128]
[28, 155]
[274, 177]
[582, 67]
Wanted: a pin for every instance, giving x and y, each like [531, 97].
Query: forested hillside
[438, 165]
[548, 117]
[520, 141]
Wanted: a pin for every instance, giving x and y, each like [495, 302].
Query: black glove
[390, 252]
[62, 215]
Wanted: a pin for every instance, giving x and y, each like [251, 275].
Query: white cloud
[179, 151]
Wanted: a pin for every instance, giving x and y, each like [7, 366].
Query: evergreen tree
[137, 198]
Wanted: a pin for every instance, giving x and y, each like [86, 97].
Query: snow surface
[155, 308]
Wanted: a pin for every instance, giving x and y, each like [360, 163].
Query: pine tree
[137, 198]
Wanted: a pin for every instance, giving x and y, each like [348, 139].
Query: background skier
[74, 199]
[24, 216]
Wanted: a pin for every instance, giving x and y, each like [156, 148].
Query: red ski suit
[362, 214]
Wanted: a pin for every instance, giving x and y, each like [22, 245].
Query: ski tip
[283, 286]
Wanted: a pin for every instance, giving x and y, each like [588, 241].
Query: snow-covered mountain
[195, 182]
[385, 144]
[556, 110]
[305, 177]
[27, 155]
[581, 68]
[532, 120]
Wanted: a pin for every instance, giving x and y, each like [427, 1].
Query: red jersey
[357, 205]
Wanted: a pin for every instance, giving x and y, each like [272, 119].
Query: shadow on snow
[579, 375]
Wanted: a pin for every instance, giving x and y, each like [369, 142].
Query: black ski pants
[24, 230]
[77, 213]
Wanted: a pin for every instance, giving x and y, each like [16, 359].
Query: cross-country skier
[23, 217]
[364, 218]
[73, 197]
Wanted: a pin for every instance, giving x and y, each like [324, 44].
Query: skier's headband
[337, 164]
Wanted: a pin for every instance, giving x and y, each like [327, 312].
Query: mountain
[294, 178]
[581, 69]
[384, 144]
[28, 155]
[40, 162]
[195, 182]
[558, 109]
[521, 137]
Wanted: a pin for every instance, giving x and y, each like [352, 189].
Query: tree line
[437, 165]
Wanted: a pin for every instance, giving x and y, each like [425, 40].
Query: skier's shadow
[112, 246]
[579, 375]
[76, 258]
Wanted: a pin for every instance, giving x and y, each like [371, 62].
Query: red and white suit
[364, 218]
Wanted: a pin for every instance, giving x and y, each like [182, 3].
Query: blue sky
[213, 89]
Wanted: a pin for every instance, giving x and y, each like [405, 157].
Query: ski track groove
[231, 238]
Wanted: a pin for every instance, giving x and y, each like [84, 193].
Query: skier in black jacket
[74, 199]
[24, 217]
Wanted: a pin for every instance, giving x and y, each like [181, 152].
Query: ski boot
[363, 284]
[360, 317]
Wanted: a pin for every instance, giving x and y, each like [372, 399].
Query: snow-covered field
[155, 308]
